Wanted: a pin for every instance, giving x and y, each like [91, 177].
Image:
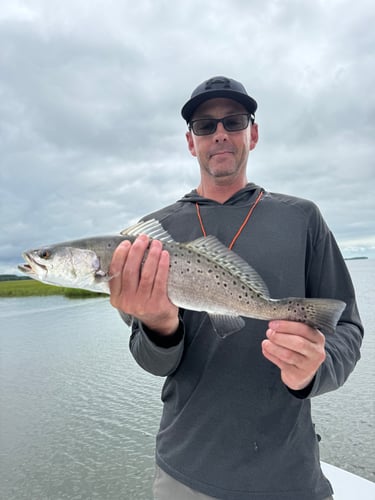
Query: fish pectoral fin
[225, 325]
[102, 276]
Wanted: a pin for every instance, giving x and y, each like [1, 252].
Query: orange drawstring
[246, 220]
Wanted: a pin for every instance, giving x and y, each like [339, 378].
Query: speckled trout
[204, 276]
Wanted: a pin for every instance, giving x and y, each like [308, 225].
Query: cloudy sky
[91, 136]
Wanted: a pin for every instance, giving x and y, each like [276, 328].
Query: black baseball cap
[218, 86]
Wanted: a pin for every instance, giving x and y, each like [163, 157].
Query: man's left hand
[297, 349]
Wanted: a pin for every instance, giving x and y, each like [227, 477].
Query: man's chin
[223, 170]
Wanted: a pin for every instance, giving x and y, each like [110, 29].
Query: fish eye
[44, 253]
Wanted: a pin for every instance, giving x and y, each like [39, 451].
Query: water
[346, 418]
[78, 417]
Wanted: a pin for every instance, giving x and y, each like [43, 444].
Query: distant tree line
[12, 277]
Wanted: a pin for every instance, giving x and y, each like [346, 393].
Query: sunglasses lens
[235, 122]
[207, 126]
[204, 127]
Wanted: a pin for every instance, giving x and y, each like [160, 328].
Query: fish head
[62, 266]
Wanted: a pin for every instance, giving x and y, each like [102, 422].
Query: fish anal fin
[225, 325]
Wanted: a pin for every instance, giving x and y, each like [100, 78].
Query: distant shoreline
[25, 287]
[356, 258]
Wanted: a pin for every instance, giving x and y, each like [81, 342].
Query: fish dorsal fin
[213, 249]
[152, 228]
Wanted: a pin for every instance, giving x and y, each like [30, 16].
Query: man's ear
[254, 136]
[190, 141]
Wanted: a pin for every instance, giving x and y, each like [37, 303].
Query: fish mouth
[31, 265]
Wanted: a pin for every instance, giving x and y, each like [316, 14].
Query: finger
[288, 341]
[296, 376]
[267, 352]
[295, 328]
[161, 279]
[116, 267]
[133, 265]
[150, 268]
[282, 356]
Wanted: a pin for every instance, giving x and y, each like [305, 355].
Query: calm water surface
[78, 417]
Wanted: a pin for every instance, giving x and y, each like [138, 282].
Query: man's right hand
[139, 284]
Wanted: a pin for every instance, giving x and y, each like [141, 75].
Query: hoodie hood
[242, 197]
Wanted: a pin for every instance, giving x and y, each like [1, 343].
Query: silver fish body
[204, 276]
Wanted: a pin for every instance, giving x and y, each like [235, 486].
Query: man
[236, 421]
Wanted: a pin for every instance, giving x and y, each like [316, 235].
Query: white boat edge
[347, 486]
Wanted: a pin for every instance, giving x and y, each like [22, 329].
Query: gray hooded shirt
[230, 428]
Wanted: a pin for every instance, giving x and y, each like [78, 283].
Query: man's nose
[220, 133]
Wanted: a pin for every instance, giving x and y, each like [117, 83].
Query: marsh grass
[28, 288]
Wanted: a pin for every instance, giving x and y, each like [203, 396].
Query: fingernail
[143, 238]
[156, 243]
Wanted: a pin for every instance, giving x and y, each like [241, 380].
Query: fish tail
[322, 314]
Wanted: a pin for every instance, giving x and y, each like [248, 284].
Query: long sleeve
[328, 276]
[157, 359]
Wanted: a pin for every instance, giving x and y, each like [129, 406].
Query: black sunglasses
[231, 123]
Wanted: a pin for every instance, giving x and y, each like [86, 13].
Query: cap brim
[248, 102]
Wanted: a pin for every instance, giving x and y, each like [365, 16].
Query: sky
[91, 136]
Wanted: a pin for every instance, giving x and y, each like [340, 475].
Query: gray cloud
[91, 136]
